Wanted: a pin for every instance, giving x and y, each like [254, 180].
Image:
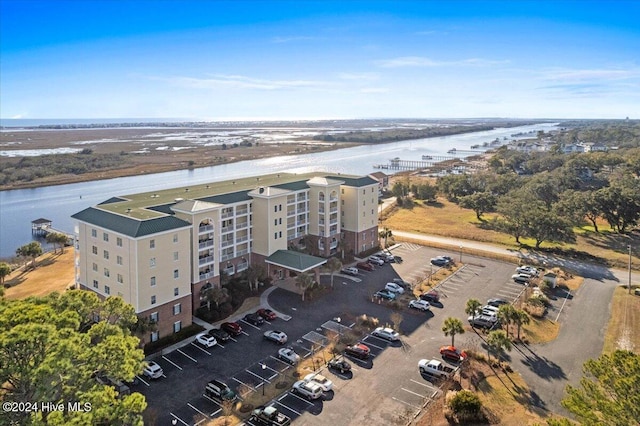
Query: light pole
[629, 247]
[460, 254]
[264, 367]
[338, 320]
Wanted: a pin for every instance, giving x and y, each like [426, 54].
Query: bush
[466, 406]
[186, 332]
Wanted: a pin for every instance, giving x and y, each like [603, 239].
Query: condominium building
[161, 251]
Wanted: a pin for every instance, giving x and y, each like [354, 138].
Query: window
[275, 222]
[371, 211]
[106, 272]
[107, 290]
[153, 281]
[176, 273]
[364, 203]
[94, 233]
[119, 241]
[154, 336]
[279, 207]
[275, 235]
[94, 249]
[105, 254]
[95, 267]
[95, 283]
[176, 291]
[275, 209]
[153, 299]
[152, 244]
[177, 308]
[280, 234]
[152, 262]
[105, 236]
[153, 318]
[120, 279]
[364, 191]
[175, 255]
[177, 326]
[175, 238]
[342, 190]
[119, 260]
[279, 221]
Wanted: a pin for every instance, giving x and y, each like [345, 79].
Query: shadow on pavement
[541, 366]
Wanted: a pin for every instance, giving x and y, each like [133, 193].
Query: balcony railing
[205, 260]
[242, 225]
[205, 244]
[226, 214]
[242, 252]
[242, 239]
[242, 266]
[333, 221]
[205, 276]
[206, 228]
[333, 244]
[226, 257]
[227, 243]
[227, 228]
[333, 210]
[240, 212]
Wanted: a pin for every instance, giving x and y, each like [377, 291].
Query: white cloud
[363, 76]
[420, 61]
[292, 39]
[589, 74]
[374, 90]
[242, 82]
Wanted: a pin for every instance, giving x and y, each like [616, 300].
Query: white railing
[226, 214]
[204, 260]
[206, 228]
[242, 252]
[242, 225]
[227, 228]
[227, 243]
[206, 276]
[205, 244]
[241, 212]
[242, 239]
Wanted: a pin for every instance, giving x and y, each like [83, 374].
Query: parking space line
[202, 349]
[245, 333]
[287, 407]
[248, 323]
[211, 399]
[178, 418]
[215, 413]
[300, 398]
[274, 376]
[201, 420]
[266, 366]
[189, 404]
[171, 362]
[422, 384]
[192, 359]
[281, 362]
[258, 376]
[143, 381]
[371, 344]
[243, 383]
[220, 345]
[415, 393]
[404, 402]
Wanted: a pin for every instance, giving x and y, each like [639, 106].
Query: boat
[451, 151]
[427, 157]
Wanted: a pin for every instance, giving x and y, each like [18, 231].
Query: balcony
[333, 198]
[203, 229]
[333, 210]
[242, 239]
[227, 243]
[227, 228]
[240, 212]
[242, 266]
[242, 252]
[242, 225]
[205, 244]
[226, 214]
[205, 276]
[333, 244]
[205, 260]
[291, 212]
[226, 257]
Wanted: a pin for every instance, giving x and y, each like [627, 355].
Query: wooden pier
[398, 164]
[42, 227]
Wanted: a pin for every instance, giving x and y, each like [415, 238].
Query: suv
[233, 328]
[254, 319]
[310, 390]
[276, 336]
[358, 350]
[386, 333]
[396, 288]
[521, 278]
[152, 370]
[365, 266]
[350, 270]
[430, 296]
[385, 294]
[375, 260]
[118, 385]
[219, 390]
[484, 321]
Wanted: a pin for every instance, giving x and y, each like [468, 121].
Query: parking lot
[379, 389]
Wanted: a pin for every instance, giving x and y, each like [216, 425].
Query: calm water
[57, 203]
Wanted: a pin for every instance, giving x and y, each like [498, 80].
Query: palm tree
[32, 250]
[385, 233]
[473, 306]
[498, 341]
[333, 265]
[452, 326]
[506, 314]
[521, 318]
[57, 238]
[5, 270]
[304, 281]
[217, 295]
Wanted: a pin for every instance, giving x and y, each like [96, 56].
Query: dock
[43, 227]
[398, 164]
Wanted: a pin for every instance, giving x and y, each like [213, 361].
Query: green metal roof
[294, 260]
[127, 225]
[230, 198]
[293, 186]
[355, 181]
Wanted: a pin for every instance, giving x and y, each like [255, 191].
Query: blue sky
[223, 60]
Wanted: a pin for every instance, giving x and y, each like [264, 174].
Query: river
[57, 203]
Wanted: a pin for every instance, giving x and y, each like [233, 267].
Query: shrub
[466, 406]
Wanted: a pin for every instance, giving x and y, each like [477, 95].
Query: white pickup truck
[436, 368]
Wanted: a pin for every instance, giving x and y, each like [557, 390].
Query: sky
[270, 60]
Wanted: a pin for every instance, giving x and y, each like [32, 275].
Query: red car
[233, 328]
[358, 350]
[452, 353]
[431, 296]
[365, 266]
[267, 314]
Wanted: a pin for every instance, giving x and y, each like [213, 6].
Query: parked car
[386, 333]
[350, 270]
[359, 350]
[308, 390]
[398, 259]
[219, 390]
[365, 266]
[375, 260]
[385, 294]
[267, 314]
[396, 288]
[276, 336]
[269, 416]
[289, 355]
[452, 353]
[421, 305]
[205, 339]
[387, 257]
[152, 370]
[431, 296]
[440, 261]
[122, 388]
[521, 278]
[497, 302]
[340, 364]
[219, 335]
[490, 311]
[324, 383]
[254, 319]
[529, 270]
[435, 368]
[402, 283]
[233, 328]
[484, 321]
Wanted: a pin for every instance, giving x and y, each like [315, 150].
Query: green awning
[294, 260]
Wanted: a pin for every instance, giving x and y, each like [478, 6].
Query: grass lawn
[623, 331]
[53, 273]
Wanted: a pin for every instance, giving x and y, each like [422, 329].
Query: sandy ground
[55, 272]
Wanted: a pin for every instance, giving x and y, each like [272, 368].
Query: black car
[219, 335]
[339, 364]
[254, 319]
[497, 302]
[431, 296]
[440, 261]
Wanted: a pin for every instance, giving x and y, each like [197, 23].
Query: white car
[376, 260]
[386, 333]
[152, 370]
[386, 257]
[421, 305]
[529, 270]
[289, 355]
[521, 278]
[396, 288]
[351, 270]
[276, 336]
[206, 340]
[324, 383]
[310, 390]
